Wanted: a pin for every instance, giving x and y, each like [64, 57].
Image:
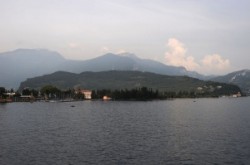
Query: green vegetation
[145, 93]
[52, 92]
[47, 92]
[120, 85]
[121, 80]
[240, 78]
[32, 92]
[134, 94]
[7, 95]
[2, 91]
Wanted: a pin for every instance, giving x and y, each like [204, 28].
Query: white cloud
[176, 55]
[120, 51]
[105, 49]
[73, 45]
[215, 64]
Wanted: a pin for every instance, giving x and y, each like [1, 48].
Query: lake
[180, 131]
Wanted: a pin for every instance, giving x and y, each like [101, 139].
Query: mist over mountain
[18, 65]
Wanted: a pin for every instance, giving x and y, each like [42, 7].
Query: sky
[207, 36]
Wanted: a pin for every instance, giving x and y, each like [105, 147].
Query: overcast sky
[208, 36]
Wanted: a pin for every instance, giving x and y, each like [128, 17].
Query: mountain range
[18, 65]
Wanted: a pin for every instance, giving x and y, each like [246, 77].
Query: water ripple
[208, 131]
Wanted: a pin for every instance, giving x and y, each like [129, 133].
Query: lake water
[181, 131]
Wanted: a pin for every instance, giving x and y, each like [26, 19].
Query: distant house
[237, 95]
[27, 98]
[10, 94]
[106, 98]
[87, 94]
[199, 88]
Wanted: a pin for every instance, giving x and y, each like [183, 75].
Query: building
[106, 98]
[236, 95]
[87, 94]
[27, 98]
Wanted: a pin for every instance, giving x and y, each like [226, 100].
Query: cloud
[105, 49]
[176, 55]
[215, 64]
[120, 51]
[73, 45]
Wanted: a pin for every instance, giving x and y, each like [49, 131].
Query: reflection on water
[208, 131]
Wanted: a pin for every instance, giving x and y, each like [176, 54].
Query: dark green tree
[2, 91]
[50, 91]
[26, 91]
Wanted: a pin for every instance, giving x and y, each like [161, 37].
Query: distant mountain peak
[32, 52]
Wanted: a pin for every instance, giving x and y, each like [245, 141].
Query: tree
[94, 95]
[2, 91]
[26, 92]
[34, 92]
[50, 91]
[79, 96]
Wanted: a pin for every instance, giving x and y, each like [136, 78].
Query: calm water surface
[208, 131]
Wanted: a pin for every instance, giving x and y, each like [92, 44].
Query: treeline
[145, 93]
[46, 92]
[134, 94]
[51, 92]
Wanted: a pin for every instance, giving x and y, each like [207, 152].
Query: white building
[87, 94]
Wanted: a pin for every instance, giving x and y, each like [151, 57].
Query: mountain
[125, 62]
[16, 66]
[127, 80]
[240, 78]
